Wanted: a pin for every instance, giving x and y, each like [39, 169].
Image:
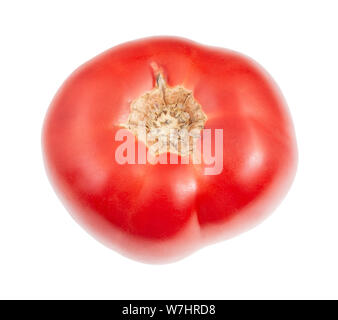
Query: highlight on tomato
[161, 146]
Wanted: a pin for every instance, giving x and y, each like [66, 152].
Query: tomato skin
[160, 213]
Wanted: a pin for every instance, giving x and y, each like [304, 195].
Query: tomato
[154, 211]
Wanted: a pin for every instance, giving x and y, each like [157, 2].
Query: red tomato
[163, 212]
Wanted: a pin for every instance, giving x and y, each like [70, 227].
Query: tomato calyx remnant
[166, 119]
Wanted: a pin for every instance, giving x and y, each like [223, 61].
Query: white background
[45, 254]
